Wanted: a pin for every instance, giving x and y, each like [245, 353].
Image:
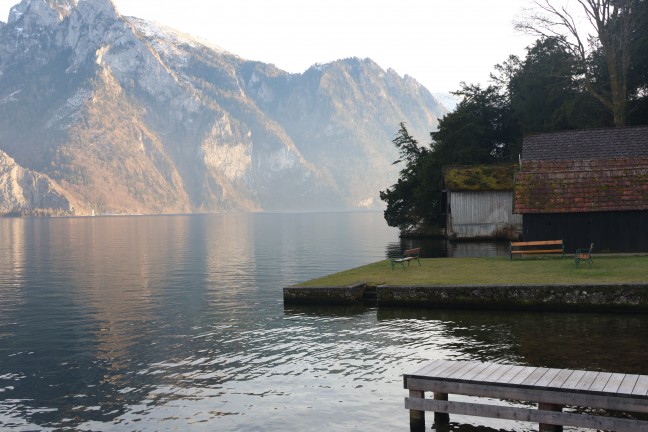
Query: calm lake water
[177, 323]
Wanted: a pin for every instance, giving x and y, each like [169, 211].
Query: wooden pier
[550, 389]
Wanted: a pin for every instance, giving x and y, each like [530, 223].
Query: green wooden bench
[537, 247]
[408, 255]
[584, 255]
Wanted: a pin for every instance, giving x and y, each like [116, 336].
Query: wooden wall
[482, 215]
[625, 231]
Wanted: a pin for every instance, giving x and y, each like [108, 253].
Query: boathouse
[585, 186]
[479, 202]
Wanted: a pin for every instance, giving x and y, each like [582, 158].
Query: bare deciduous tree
[611, 28]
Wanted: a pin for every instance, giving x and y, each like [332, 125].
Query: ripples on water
[177, 323]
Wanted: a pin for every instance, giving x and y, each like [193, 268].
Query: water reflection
[442, 248]
[12, 265]
[604, 342]
[177, 323]
[117, 321]
[324, 310]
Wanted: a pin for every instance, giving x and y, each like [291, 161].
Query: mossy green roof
[498, 177]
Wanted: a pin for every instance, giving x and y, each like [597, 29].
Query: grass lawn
[494, 271]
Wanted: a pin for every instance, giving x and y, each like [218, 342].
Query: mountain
[121, 115]
[25, 192]
[448, 100]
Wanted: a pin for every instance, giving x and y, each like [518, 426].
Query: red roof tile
[583, 171]
[563, 186]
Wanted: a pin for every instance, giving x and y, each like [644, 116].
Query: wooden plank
[587, 380]
[526, 376]
[528, 415]
[443, 370]
[417, 418]
[628, 384]
[547, 378]
[483, 376]
[600, 381]
[641, 388]
[422, 371]
[523, 375]
[534, 377]
[637, 404]
[432, 367]
[467, 367]
[496, 377]
[538, 251]
[473, 373]
[560, 379]
[574, 378]
[454, 367]
[614, 383]
[512, 373]
[597, 390]
[544, 250]
[537, 243]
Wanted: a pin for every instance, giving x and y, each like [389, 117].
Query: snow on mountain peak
[170, 36]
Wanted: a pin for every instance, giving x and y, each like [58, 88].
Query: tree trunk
[618, 92]
[617, 65]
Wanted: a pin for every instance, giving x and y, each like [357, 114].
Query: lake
[173, 323]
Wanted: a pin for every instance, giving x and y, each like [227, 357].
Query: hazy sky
[438, 42]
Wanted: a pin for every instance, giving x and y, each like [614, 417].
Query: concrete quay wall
[345, 295]
[594, 298]
[632, 298]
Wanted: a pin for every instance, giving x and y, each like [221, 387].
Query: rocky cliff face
[25, 192]
[122, 115]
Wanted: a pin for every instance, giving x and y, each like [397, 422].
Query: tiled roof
[586, 144]
[583, 171]
[573, 186]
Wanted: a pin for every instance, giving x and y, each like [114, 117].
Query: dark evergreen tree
[481, 130]
[547, 92]
[614, 24]
[406, 204]
[557, 86]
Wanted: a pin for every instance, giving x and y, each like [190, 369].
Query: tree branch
[613, 22]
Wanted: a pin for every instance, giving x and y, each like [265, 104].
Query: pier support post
[550, 427]
[417, 418]
[439, 417]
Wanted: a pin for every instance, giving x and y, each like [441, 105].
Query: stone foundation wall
[632, 298]
[595, 298]
[324, 295]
